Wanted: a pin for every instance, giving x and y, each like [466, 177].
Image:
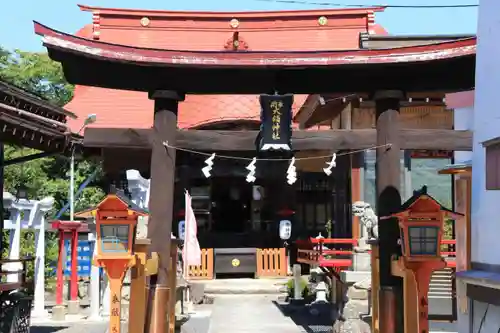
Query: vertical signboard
[276, 121]
[85, 251]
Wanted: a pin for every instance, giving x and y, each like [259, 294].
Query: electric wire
[332, 4]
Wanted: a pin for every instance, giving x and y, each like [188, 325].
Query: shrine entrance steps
[244, 286]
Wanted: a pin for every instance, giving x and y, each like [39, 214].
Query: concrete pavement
[249, 314]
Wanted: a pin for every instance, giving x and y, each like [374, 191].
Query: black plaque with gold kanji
[276, 123]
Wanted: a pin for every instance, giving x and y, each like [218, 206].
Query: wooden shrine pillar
[161, 203]
[388, 179]
[341, 227]
[357, 161]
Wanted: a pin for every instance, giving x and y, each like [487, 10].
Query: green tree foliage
[36, 73]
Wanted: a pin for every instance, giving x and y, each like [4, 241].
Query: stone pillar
[14, 242]
[7, 201]
[357, 298]
[95, 284]
[37, 220]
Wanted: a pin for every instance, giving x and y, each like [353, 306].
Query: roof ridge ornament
[234, 23]
[145, 21]
[236, 43]
[96, 25]
[322, 21]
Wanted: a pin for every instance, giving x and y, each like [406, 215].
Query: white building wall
[486, 120]
[485, 226]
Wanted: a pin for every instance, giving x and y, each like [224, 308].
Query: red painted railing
[311, 252]
[449, 251]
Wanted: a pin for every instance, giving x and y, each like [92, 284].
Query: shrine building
[232, 213]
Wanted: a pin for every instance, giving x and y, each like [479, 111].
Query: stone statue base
[361, 262]
[357, 303]
[351, 326]
[357, 306]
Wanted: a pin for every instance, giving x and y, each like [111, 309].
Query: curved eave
[25, 96]
[54, 39]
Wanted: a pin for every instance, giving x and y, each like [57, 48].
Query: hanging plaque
[276, 123]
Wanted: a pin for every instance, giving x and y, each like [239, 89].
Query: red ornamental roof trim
[229, 15]
[54, 39]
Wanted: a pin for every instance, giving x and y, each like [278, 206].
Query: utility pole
[91, 118]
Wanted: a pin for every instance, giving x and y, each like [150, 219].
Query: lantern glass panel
[114, 238]
[423, 240]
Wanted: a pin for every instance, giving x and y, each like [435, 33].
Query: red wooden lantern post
[116, 220]
[421, 222]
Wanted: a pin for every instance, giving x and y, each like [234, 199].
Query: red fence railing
[338, 253]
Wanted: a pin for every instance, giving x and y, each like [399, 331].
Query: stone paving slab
[198, 322]
[81, 327]
[249, 314]
[244, 286]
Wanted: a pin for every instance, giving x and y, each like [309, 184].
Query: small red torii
[73, 228]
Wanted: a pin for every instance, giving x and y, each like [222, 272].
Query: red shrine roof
[306, 30]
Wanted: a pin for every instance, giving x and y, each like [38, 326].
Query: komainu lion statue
[367, 217]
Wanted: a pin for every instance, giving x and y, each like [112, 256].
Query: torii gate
[28, 215]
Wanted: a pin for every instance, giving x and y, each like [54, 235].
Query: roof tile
[130, 109]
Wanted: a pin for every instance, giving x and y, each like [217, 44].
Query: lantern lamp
[421, 224]
[116, 220]
[115, 238]
[420, 238]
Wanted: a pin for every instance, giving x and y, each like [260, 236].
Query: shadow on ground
[47, 329]
[312, 318]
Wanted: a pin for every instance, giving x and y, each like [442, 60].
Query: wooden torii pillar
[387, 169]
[161, 204]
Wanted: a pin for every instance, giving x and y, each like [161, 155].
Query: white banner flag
[191, 251]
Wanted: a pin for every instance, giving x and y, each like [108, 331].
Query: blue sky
[16, 28]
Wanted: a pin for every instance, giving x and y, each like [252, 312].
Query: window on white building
[492, 164]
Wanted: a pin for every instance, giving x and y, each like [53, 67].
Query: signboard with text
[276, 121]
[85, 251]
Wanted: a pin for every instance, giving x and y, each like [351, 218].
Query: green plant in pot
[290, 286]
